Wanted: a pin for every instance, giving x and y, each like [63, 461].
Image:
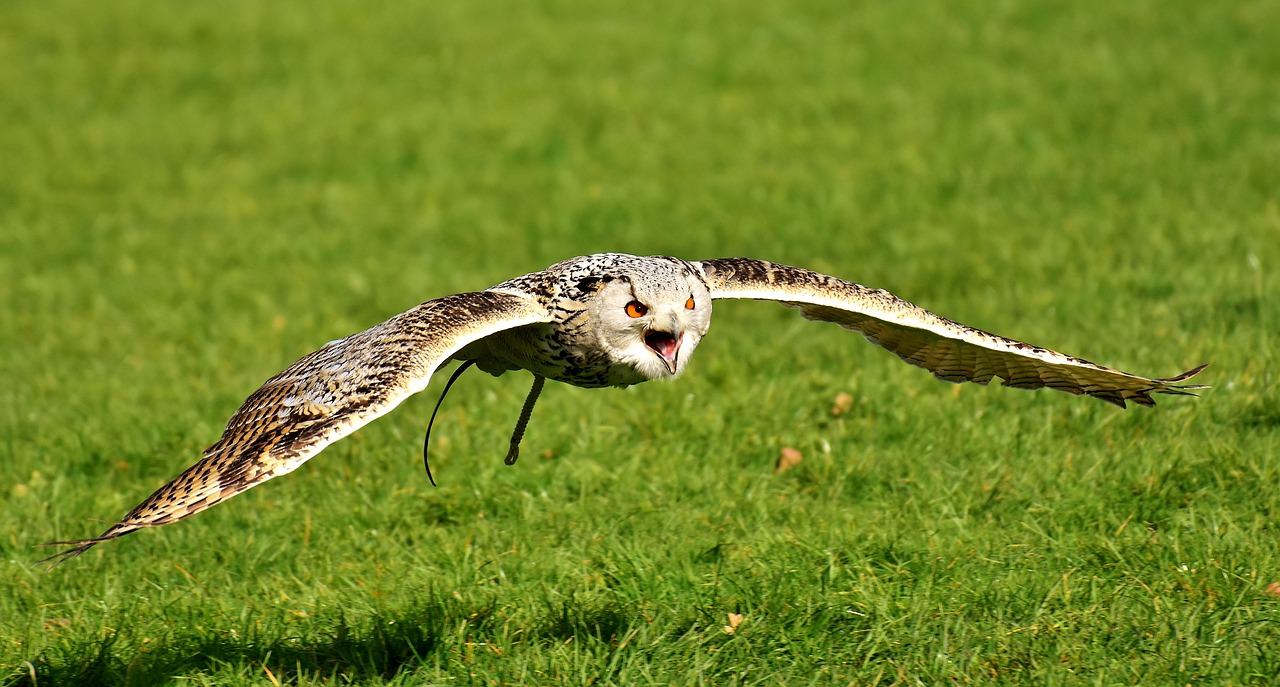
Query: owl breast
[563, 351]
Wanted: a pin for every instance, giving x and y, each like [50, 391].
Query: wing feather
[951, 351]
[322, 398]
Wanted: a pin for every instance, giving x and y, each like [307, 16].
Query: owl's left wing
[322, 398]
[951, 351]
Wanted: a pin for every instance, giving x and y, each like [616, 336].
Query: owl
[602, 320]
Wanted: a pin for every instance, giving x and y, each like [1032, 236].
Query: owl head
[650, 314]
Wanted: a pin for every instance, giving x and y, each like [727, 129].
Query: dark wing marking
[322, 398]
[951, 351]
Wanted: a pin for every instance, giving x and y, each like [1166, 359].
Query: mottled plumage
[600, 320]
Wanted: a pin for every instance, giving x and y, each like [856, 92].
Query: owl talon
[513, 453]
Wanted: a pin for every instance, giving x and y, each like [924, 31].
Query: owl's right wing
[951, 351]
[324, 397]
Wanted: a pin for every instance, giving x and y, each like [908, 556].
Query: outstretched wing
[950, 350]
[322, 398]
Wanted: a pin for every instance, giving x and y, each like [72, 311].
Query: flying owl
[601, 320]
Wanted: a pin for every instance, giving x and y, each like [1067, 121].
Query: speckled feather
[550, 324]
[952, 351]
[324, 397]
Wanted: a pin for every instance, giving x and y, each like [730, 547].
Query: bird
[603, 320]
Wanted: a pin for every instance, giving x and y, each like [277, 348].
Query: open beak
[666, 345]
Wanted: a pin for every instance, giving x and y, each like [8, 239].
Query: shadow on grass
[1260, 416]
[379, 648]
[376, 649]
[579, 619]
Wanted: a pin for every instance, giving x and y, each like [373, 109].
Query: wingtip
[1170, 386]
[78, 547]
[1184, 376]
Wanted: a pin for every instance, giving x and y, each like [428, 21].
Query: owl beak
[666, 345]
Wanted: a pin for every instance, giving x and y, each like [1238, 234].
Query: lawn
[193, 195]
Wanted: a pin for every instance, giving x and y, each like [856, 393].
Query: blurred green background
[194, 195]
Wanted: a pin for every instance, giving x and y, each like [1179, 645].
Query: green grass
[194, 195]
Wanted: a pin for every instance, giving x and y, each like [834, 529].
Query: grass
[195, 195]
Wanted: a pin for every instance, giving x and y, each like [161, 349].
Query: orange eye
[636, 309]
[688, 305]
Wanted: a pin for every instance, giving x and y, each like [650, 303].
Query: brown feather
[321, 398]
[951, 351]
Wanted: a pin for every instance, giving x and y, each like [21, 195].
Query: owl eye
[636, 309]
[688, 305]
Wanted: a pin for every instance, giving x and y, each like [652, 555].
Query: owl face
[652, 321]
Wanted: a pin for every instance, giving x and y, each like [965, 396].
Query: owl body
[591, 341]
